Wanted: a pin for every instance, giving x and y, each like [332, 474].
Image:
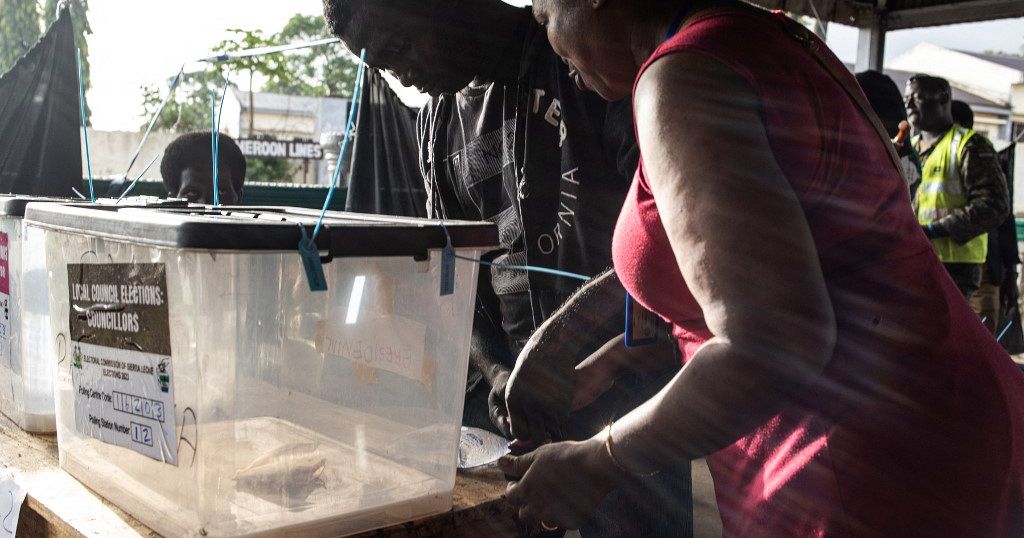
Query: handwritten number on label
[16, 495]
[7, 516]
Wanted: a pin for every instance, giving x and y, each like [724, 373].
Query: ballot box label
[390, 343]
[121, 367]
[5, 301]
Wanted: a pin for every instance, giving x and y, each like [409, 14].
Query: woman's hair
[885, 99]
[192, 150]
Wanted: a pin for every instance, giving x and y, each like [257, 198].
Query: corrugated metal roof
[899, 14]
[901, 78]
[1005, 60]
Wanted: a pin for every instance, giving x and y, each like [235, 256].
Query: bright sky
[141, 42]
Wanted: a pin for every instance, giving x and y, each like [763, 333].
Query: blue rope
[530, 268]
[1003, 332]
[152, 121]
[213, 142]
[85, 129]
[136, 180]
[357, 92]
[216, 145]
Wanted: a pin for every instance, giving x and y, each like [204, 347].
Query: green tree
[318, 71]
[272, 66]
[189, 107]
[327, 70]
[19, 30]
[269, 170]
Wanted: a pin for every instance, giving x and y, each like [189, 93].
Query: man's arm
[987, 197]
[540, 390]
[489, 353]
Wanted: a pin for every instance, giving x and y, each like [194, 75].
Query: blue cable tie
[356, 94]
[85, 129]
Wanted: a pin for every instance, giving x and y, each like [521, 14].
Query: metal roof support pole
[871, 45]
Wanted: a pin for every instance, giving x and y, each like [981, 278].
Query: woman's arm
[745, 251]
[746, 254]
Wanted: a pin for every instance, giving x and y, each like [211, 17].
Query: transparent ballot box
[26, 360]
[26, 343]
[202, 387]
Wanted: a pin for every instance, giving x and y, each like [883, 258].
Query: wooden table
[57, 505]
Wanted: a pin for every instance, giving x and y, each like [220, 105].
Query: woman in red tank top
[835, 379]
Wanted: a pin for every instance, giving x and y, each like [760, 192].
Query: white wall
[110, 152]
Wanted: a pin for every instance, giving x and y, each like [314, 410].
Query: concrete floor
[706, 521]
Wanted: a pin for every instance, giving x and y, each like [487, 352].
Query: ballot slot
[205, 390]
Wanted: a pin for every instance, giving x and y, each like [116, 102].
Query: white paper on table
[12, 496]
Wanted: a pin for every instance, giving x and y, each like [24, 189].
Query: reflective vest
[942, 191]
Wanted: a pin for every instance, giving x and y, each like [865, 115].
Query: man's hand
[496, 408]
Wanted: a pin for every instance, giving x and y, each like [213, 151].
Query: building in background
[286, 126]
[987, 82]
[282, 127]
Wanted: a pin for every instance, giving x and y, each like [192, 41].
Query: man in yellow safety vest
[962, 194]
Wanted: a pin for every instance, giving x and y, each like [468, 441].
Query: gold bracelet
[623, 468]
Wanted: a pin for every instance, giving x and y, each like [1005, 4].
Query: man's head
[433, 45]
[962, 114]
[187, 169]
[928, 103]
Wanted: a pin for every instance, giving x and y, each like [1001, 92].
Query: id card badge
[642, 325]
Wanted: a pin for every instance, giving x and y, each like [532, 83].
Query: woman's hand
[560, 484]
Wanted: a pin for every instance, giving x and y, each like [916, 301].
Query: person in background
[963, 192]
[187, 171]
[1000, 268]
[508, 136]
[835, 377]
[886, 100]
[961, 113]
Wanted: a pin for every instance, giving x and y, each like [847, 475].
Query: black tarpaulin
[40, 139]
[384, 177]
[1007, 257]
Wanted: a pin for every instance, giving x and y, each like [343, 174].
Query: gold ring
[547, 527]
